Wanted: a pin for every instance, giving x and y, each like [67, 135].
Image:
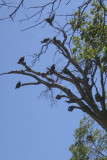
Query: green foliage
[90, 142]
[104, 60]
[92, 34]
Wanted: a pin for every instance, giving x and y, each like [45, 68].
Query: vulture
[18, 85]
[50, 20]
[98, 97]
[21, 60]
[66, 71]
[58, 97]
[70, 108]
[56, 41]
[52, 69]
[45, 40]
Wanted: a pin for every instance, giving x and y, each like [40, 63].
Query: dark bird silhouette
[66, 71]
[18, 85]
[56, 41]
[50, 20]
[70, 108]
[21, 60]
[58, 97]
[45, 40]
[98, 97]
[52, 69]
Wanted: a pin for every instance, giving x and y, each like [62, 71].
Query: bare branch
[13, 13]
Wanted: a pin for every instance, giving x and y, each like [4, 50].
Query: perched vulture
[70, 108]
[21, 60]
[56, 41]
[50, 20]
[98, 97]
[18, 85]
[45, 40]
[58, 97]
[66, 71]
[52, 69]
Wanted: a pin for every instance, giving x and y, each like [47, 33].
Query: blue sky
[29, 127]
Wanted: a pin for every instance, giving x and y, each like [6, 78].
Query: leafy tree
[81, 41]
[90, 142]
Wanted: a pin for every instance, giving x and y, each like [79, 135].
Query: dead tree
[81, 75]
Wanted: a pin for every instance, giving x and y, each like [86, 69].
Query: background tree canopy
[90, 142]
[79, 51]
